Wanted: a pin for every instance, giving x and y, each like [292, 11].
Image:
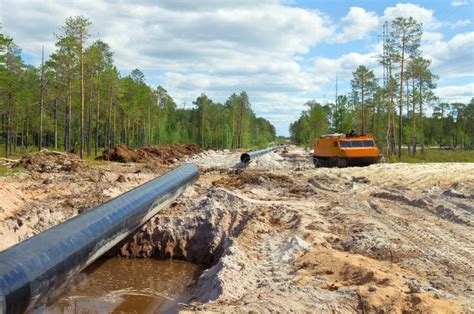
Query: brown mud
[128, 286]
[168, 154]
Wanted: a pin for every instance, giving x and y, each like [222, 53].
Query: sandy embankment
[282, 235]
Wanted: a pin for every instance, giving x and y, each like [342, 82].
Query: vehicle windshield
[368, 143]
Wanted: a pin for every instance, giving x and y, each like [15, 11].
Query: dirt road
[282, 235]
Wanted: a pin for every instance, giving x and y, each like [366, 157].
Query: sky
[283, 53]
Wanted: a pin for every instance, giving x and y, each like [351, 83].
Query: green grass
[20, 152]
[437, 155]
[5, 171]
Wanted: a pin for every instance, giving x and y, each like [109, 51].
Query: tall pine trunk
[56, 122]
[89, 117]
[363, 112]
[40, 133]
[108, 136]
[81, 132]
[68, 127]
[149, 123]
[8, 139]
[97, 117]
[400, 118]
[114, 129]
[422, 128]
[143, 133]
[27, 122]
[413, 131]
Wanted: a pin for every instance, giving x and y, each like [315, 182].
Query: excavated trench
[201, 236]
[120, 285]
[161, 265]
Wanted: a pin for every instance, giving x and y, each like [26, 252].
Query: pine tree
[363, 86]
[405, 36]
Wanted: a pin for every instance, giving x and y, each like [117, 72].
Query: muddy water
[128, 286]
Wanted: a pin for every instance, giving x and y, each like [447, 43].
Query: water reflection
[128, 286]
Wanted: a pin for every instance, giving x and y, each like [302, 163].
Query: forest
[77, 100]
[401, 109]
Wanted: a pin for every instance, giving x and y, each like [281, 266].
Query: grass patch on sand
[437, 155]
[5, 170]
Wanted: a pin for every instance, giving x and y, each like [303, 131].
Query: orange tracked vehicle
[342, 150]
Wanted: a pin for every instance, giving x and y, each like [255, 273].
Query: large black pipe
[31, 270]
[247, 157]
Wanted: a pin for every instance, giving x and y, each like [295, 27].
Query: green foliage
[117, 109]
[372, 107]
[231, 125]
[312, 123]
[6, 171]
[438, 155]
[363, 86]
[405, 36]
[343, 119]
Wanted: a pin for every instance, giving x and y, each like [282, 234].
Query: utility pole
[40, 140]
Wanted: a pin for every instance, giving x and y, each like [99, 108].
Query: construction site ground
[280, 234]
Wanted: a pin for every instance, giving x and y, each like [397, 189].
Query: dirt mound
[168, 154]
[239, 180]
[120, 153]
[378, 290]
[51, 161]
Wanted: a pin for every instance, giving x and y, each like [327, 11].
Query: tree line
[77, 100]
[394, 109]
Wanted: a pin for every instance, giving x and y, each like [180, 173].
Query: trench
[159, 267]
[119, 285]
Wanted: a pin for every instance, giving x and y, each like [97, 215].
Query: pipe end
[245, 158]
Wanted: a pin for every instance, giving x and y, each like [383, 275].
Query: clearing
[281, 234]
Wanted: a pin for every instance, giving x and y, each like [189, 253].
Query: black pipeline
[31, 270]
[247, 157]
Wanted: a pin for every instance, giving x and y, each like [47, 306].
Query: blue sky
[282, 53]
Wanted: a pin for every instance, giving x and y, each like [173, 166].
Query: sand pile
[213, 159]
[253, 177]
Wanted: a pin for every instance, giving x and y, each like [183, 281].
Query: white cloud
[273, 95]
[459, 3]
[430, 37]
[452, 58]
[462, 93]
[174, 35]
[344, 65]
[459, 23]
[420, 14]
[356, 25]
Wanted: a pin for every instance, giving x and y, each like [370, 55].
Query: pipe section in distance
[247, 157]
[33, 269]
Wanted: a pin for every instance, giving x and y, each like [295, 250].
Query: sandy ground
[33, 201]
[281, 235]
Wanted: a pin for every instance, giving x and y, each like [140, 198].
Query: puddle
[128, 286]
